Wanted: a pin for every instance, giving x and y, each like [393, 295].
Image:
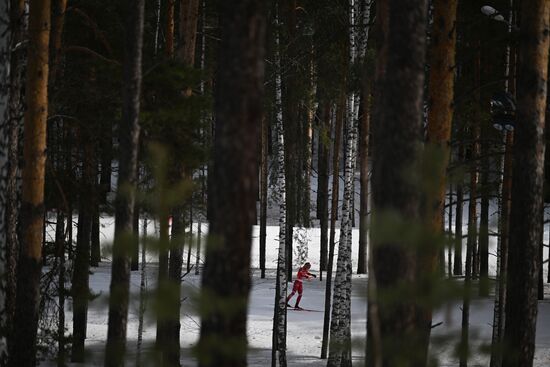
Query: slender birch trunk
[340, 345]
[279, 323]
[339, 121]
[340, 341]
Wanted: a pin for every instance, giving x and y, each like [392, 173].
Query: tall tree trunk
[340, 350]
[5, 47]
[527, 184]
[291, 101]
[60, 240]
[322, 182]
[17, 62]
[127, 177]
[142, 290]
[199, 238]
[279, 318]
[190, 236]
[80, 282]
[540, 288]
[189, 15]
[438, 136]
[364, 131]
[173, 326]
[450, 234]
[163, 282]
[457, 266]
[58, 21]
[170, 27]
[307, 135]
[263, 196]
[95, 241]
[32, 204]
[396, 132]
[484, 220]
[134, 263]
[464, 349]
[333, 210]
[502, 255]
[226, 274]
[340, 323]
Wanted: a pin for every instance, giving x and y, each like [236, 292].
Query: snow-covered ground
[304, 328]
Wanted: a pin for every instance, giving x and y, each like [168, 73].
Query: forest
[215, 183]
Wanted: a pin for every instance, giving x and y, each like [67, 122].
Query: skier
[303, 273]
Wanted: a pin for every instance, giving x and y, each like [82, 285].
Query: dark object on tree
[503, 111]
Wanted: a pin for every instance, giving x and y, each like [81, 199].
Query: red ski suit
[298, 286]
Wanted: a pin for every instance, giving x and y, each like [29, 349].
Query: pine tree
[13, 189]
[127, 176]
[396, 132]
[226, 275]
[5, 46]
[527, 185]
[32, 205]
[438, 136]
[80, 282]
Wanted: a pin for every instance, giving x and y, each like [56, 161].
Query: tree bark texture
[226, 275]
[396, 143]
[17, 62]
[173, 300]
[263, 195]
[33, 174]
[364, 131]
[339, 121]
[527, 185]
[322, 183]
[457, 263]
[440, 117]
[189, 15]
[127, 179]
[81, 274]
[5, 46]
[280, 319]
